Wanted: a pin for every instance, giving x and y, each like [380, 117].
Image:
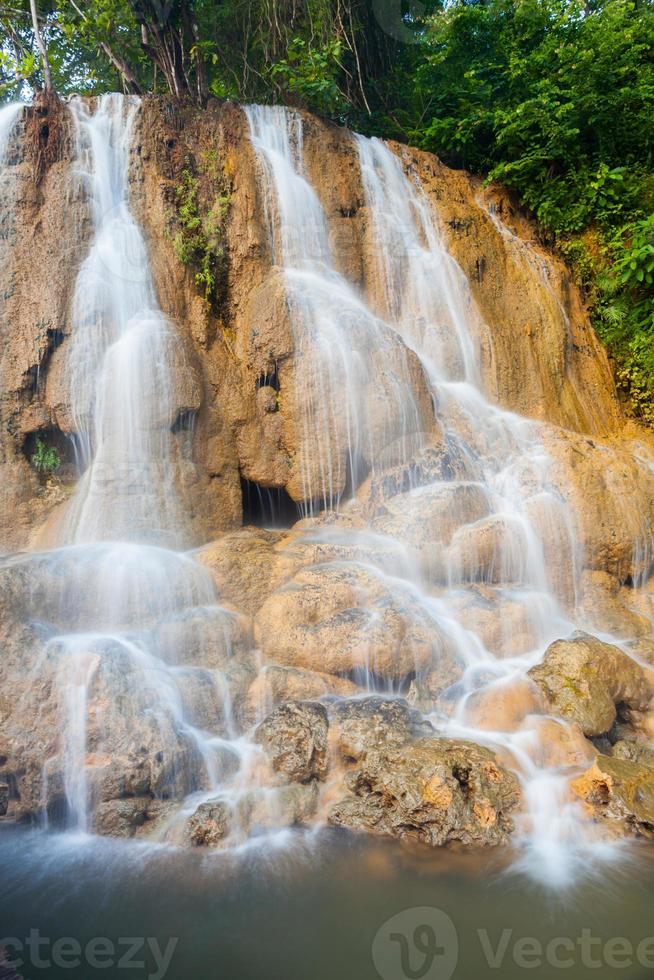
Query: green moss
[199, 237]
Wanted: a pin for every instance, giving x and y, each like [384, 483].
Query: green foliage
[555, 98]
[198, 240]
[623, 285]
[46, 459]
[311, 74]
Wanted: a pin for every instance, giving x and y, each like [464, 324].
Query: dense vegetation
[555, 98]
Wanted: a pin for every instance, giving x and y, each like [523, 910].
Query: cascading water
[122, 356]
[8, 118]
[124, 614]
[381, 381]
[513, 535]
[340, 345]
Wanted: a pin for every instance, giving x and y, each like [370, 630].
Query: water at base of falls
[134, 638]
[323, 908]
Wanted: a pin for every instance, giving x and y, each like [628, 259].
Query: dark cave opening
[268, 507]
[269, 379]
[53, 438]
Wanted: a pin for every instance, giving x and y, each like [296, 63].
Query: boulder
[503, 706]
[550, 743]
[585, 680]
[208, 825]
[278, 806]
[426, 518]
[294, 737]
[605, 606]
[345, 617]
[437, 464]
[274, 685]
[121, 818]
[504, 622]
[4, 799]
[620, 793]
[435, 790]
[376, 723]
[243, 566]
[633, 751]
[610, 493]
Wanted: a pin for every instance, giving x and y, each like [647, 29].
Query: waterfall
[427, 507]
[122, 355]
[356, 400]
[429, 299]
[517, 541]
[8, 118]
[127, 611]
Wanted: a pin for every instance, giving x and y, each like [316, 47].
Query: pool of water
[320, 907]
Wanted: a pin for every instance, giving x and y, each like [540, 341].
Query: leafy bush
[311, 74]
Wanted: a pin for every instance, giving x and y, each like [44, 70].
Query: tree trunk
[47, 77]
[131, 82]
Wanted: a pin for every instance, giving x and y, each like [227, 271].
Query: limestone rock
[620, 793]
[243, 566]
[554, 743]
[341, 618]
[435, 790]
[208, 825]
[294, 737]
[503, 623]
[274, 685]
[502, 707]
[425, 520]
[633, 751]
[374, 724]
[585, 680]
[121, 818]
[607, 607]
[278, 806]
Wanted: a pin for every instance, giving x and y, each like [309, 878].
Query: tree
[38, 37]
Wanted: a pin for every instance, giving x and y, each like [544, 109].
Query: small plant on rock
[46, 459]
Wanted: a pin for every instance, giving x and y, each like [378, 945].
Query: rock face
[434, 790]
[545, 360]
[209, 825]
[619, 793]
[294, 738]
[587, 681]
[340, 618]
[375, 724]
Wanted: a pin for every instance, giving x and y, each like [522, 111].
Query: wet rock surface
[588, 681]
[294, 737]
[434, 790]
[619, 793]
[374, 724]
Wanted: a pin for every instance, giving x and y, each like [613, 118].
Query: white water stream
[419, 292]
